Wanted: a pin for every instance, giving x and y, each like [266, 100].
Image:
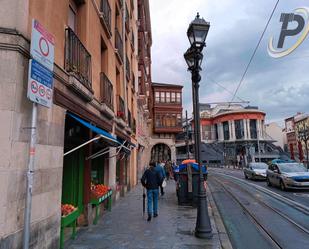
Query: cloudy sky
[280, 87]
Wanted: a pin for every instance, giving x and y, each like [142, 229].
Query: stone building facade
[95, 83]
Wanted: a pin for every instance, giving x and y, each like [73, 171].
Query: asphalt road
[258, 216]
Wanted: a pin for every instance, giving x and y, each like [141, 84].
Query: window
[72, 18]
[226, 131]
[179, 120]
[157, 97]
[173, 97]
[168, 97]
[168, 120]
[206, 132]
[162, 94]
[216, 132]
[158, 121]
[239, 129]
[253, 131]
[178, 98]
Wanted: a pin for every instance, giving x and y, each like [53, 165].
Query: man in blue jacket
[151, 180]
[160, 169]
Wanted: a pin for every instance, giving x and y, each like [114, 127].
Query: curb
[223, 236]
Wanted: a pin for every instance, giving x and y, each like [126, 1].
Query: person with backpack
[151, 180]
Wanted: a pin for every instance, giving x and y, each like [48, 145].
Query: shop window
[73, 179]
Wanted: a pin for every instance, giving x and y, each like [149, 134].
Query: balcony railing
[127, 24]
[132, 40]
[133, 82]
[77, 58]
[134, 126]
[129, 119]
[107, 91]
[118, 43]
[106, 11]
[120, 107]
[128, 68]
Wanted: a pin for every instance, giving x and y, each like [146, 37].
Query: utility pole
[187, 136]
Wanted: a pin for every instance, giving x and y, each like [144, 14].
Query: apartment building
[89, 135]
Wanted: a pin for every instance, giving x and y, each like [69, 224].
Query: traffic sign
[42, 45]
[40, 84]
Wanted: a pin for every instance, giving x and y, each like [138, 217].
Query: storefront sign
[42, 45]
[40, 84]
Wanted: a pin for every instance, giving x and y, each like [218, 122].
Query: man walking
[151, 180]
[160, 169]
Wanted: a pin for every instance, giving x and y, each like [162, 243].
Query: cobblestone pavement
[126, 228]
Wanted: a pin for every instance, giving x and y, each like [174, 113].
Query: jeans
[152, 201]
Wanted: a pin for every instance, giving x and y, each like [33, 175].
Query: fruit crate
[68, 220]
[97, 201]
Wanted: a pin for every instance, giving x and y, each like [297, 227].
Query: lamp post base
[203, 225]
[203, 234]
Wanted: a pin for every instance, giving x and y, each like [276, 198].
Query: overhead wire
[254, 52]
[227, 90]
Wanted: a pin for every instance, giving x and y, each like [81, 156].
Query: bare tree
[303, 136]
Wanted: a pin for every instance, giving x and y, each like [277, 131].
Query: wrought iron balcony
[120, 107]
[107, 91]
[132, 40]
[128, 68]
[118, 44]
[127, 24]
[129, 119]
[77, 58]
[134, 126]
[106, 14]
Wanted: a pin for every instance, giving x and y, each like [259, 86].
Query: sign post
[40, 90]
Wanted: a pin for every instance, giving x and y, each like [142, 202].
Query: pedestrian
[160, 169]
[151, 180]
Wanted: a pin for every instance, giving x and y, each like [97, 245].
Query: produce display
[99, 190]
[67, 209]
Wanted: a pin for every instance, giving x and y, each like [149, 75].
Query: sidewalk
[125, 227]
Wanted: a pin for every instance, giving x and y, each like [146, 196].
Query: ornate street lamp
[197, 32]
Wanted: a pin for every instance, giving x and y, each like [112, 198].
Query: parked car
[256, 171]
[288, 176]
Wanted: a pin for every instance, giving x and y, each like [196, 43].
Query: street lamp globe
[197, 32]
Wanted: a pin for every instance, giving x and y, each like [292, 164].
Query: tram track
[275, 238]
[292, 203]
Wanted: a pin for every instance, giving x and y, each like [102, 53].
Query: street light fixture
[197, 32]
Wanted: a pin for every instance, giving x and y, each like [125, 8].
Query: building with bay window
[166, 114]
